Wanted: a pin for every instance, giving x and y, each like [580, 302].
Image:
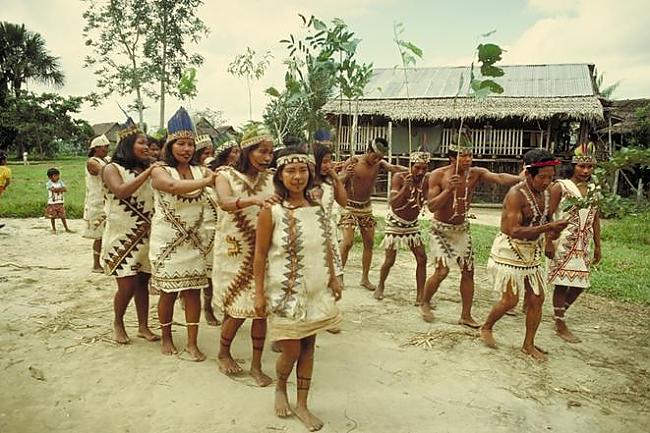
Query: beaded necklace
[464, 199]
[416, 197]
[539, 215]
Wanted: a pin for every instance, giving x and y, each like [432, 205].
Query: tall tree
[172, 25]
[246, 66]
[116, 32]
[24, 57]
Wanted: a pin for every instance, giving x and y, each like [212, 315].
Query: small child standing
[55, 190]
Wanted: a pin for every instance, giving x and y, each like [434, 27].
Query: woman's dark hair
[244, 164]
[536, 155]
[221, 158]
[167, 157]
[153, 140]
[320, 152]
[280, 189]
[196, 159]
[91, 152]
[52, 171]
[124, 155]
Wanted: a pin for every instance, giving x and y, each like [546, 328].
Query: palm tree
[23, 57]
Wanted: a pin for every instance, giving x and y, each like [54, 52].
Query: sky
[612, 35]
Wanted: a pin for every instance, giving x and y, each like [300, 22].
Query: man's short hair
[52, 171]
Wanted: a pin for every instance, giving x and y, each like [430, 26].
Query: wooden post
[390, 156]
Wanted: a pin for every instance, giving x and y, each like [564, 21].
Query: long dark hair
[124, 155]
[280, 189]
[320, 152]
[168, 158]
[221, 158]
[244, 164]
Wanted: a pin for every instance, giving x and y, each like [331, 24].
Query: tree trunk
[163, 71]
[639, 189]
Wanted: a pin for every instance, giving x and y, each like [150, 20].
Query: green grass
[623, 274]
[27, 197]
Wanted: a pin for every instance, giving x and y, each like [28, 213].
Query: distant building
[109, 129]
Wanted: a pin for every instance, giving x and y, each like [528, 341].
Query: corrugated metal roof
[529, 81]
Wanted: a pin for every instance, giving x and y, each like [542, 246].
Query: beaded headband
[203, 141]
[551, 163]
[180, 126]
[252, 141]
[584, 154]
[295, 158]
[417, 157]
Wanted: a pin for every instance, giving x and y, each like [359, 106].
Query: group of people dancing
[256, 231]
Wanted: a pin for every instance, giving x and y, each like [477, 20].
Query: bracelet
[237, 204]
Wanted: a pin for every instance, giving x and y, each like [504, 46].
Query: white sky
[613, 35]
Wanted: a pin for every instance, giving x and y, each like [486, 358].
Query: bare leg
[53, 224]
[508, 300]
[125, 290]
[389, 260]
[283, 366]
[303, 373]
[347, 240]
[559, 309]
[97, 251]
[420, 272]
[258, 335]
[533, 317]
[368, 237]
[572, 294]
[467, 297]
[65, 225]
[141, 298]
[208, 310]
[166, 316]
[229, 328]
[192, 317]
[430, 289]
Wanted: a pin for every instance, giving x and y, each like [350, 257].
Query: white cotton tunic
[572, 261]
[125, 243]
[299, 299]
[234, 246]
[94, 214]
[332, 211]
[176, 251]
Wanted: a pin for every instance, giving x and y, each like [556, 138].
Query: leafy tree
[246, 66]
[24, 57]
[215, 117]
[41, 123]
[606, 91]
[172, 24]
[115, 30]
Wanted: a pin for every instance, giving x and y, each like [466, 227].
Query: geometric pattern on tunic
[182, 232]
[244, 275]
[293, 266]
[136, 237]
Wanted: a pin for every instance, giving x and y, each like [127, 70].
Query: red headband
[551, 163]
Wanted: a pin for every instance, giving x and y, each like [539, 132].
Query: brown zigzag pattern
[244, 275]
[260, 182]
[139, 233]
[293, 247]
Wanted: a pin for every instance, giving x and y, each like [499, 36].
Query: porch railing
[364, 134]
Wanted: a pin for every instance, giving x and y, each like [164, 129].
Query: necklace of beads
[416, 197]
[464, 199]
[539, 215]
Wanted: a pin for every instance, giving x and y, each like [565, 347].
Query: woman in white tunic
[128, 206]
[295, 278]
[94, 215]
[177, 251]
[570, 259]
[242, 191]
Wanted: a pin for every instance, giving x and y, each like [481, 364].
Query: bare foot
[195, 354]
[308, 419]
[334, 330]
[282, 408]
[488, 338]
[228, 366]
[276, 347]
[261, 379]
[535, 353]
[70, 231]
[168, 348]
[379, 293]
[425, 311]
[120, 334]
[566, 335]
[208, 313]
[147, 334]
[368, 285]
[511, 312]
[98, 270]
[469, 322]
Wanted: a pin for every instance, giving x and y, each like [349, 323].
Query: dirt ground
[388, 371]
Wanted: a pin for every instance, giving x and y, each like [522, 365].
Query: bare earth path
[388, 371]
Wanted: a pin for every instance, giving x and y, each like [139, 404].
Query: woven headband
[551, 163]
[295, 158]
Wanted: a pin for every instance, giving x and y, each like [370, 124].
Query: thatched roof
[623, 114]
[203, 126]
[531, 92]
[108, 128]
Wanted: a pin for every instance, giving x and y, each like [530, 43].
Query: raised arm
[505, 179]
[340, 194]
[263, 237]
[439, 197]
[114, 182]
[162, 181]
[392, 168]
